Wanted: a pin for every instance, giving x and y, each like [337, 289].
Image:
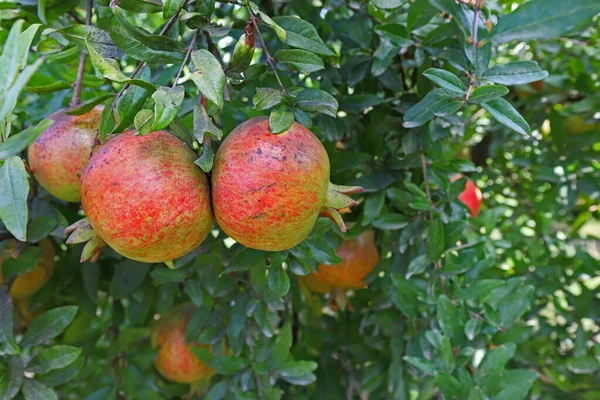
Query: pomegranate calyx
[337, 200]
[80, 232]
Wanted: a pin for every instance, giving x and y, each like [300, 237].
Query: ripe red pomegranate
[59, 154]
[269, 190]
[471, 197]
[145, 197]
[175, 361]
[359, 255]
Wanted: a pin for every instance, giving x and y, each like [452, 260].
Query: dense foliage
[409, 98]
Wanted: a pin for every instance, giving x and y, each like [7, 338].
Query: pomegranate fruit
[359, 255]
[471, 197]
[27, 284]
[175, 361]
[58, 155]
[269, 190]
[145, 197]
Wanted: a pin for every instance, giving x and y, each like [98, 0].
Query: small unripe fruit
[145, 197]
[175, 360]
[471, 197]
[359, 255]
[33, 280]
[269, 190]
[59, 154]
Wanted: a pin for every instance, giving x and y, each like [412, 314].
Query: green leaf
[435, 239]
[10, 96]
[88, 35]
[302, 35]
[492, 366]
[446, 80]
[299, 60]
[487, 93]
[89, 105]
[517, 383]
[167, 103]
[205, 161]
[25, 40]
[15, 374]
[279, 281]
[142, 6]
[391, 222]
[266, 98]
[131, 102]
[425, 110]
[279, 31]
[282, 345]
[127, 277]
[448, 317]
[17, 143]
[298, 372]
[323, 252]
[193, 290]
[515, 73]
[59, 376]
[395, 33]
[424, 365]
[507, 115]
[544, 19]
[112, 72]
[450, 387]
[280, 119]
[34, 390]
[170, 7]
[515, 305]
[48, 325]
[316, 100]
[479, 289]
[387, 4]
[229, 365]
[7, 339]
[26, 261]
[143, 121]
[10, 58]
[418, 265]
[55, 357]
[141, 44]
[583, 365]
[472, 328]
[209, 76]
[14, 187]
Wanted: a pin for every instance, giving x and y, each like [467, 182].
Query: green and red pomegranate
[175, 361]
[59, 154]
[145, 197]
[269, 190]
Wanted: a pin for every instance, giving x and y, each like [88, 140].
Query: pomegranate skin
[59, 154]
[145, 197]
[471, 197]
[359, 255]
[175, 360]
[268, 190]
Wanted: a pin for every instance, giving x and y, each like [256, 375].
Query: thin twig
[164, 30]
[187, 57]
[265, 49]
[82, 57]
[483, 319]
[478, 5]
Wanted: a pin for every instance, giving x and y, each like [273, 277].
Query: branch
[187, 57]
[426, 179]
[164, 30]
[82, 57]
[264, 47]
